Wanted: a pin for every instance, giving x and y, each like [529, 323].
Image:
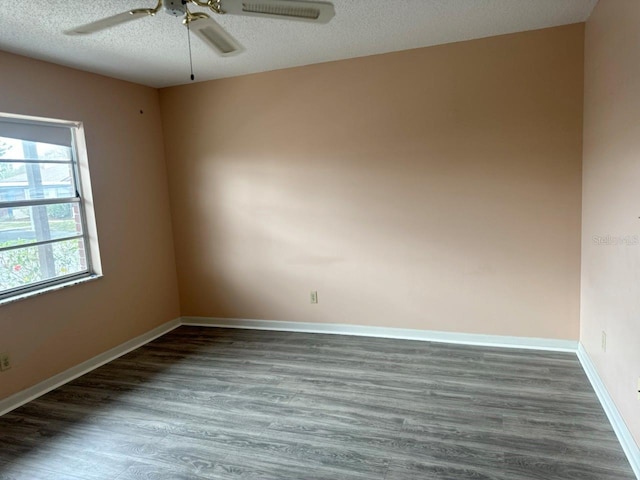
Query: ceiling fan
[207, 29]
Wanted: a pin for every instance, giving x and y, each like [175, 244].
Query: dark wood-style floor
[204, 403]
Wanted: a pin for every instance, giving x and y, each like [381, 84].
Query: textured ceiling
[153, 50]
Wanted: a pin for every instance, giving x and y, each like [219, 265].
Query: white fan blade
[110, 22]
[212, 33]
[317, 12]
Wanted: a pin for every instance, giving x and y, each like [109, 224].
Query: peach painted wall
[52, 332]
[611, 202]
[436, 188]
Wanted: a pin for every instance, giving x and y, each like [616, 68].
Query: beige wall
[436, 188]
[611, 202]
[52, 332]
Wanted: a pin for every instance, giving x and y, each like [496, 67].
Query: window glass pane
[20, 149]
[28, 181]
[24, 225]
[24, 266]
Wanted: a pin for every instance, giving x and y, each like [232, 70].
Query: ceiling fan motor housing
[175, 8]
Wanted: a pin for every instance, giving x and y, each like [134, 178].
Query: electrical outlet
[314, 297]
[5, 362]
[604, 341]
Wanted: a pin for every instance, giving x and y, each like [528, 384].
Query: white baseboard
[631, 449]
[31, 393]
[387, 332]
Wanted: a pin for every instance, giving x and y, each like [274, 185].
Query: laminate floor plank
[18, 472]
[267, 469]
[412, 470]
[85, 464]
[146, 471]
[206, 403]
[533, 467]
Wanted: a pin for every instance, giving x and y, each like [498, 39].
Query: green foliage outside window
[22, 266]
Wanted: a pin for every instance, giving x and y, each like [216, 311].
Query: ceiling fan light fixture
[207, 29]
[175, 8]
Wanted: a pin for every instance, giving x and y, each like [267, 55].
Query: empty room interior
[353, 239]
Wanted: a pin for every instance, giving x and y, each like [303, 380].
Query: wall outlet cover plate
[5, 362]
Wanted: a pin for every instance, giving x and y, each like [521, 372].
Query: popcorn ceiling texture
[153, 50]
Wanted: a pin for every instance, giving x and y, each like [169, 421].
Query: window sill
[52, 288]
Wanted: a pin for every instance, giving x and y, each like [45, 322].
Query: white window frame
[83, 198]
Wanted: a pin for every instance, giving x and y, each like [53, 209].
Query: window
[45, 230]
